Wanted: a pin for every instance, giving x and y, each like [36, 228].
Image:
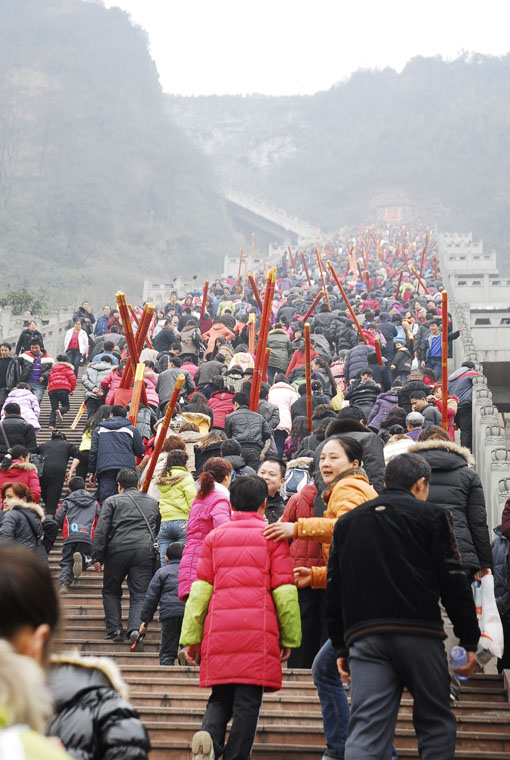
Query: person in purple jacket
[210, 509]
[414, 422]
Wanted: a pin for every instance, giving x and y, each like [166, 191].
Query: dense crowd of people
[261, 538]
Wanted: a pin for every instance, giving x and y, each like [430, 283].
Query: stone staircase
[171, 703]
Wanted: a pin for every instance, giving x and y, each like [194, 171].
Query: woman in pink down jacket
[210, 509]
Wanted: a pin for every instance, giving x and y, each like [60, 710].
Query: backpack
[296, 477]
[196, 338]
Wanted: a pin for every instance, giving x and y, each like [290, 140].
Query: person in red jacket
[311, 600]
[61, 382]
[298, 357]
[17, 468]
[241, 618]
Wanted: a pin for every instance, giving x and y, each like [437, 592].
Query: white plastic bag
[491, 639]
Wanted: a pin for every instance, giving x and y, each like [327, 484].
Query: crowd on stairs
[336, 526]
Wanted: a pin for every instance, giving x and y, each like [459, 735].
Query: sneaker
[52, 427]
[115, 635]
[63, 590]
[60, 416]
[202, 746]
[77, 564]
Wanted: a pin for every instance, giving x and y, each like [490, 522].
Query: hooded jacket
[239, 466]
[62, 377]
[356, 360]
[207, 372]
[270, 413]
[300, 506]
[111, 383]
[22, 472]
[383, 403]
[363, 395]
[18, 431]
[341, 333]
[187, 344]
[456, 486]
[77, 516]
[218, 330]
[93, 719]
[93, 375]
[162, 591]
[22, 522]
[220, 402]
[115, 444]
[279, 343]
[28, 404]
[205, 515]
[283, 396]
[176, 493]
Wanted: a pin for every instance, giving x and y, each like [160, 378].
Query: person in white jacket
[282, 395]
[76, 344]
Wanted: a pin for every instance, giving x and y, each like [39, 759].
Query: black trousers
[136, 564]
[51, 488]
[243, 702]
[74, 358]
[170, 634]
[57, 397]
[464, 421]
[313, 627]
[251, 455]
[66, 576]
[92, 404]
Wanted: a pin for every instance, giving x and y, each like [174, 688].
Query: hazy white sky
[283, 47]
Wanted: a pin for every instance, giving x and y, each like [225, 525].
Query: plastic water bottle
[458, 658]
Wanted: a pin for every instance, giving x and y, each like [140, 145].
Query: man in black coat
[247, 427]
[392, 560]
[15, 431]
[123, 541]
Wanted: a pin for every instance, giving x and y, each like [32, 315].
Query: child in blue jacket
[163, 591]
[77, 516]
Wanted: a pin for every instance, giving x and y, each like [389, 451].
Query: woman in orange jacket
[218, 330]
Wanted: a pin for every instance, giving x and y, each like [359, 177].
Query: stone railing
[52, 326]
[492, 455]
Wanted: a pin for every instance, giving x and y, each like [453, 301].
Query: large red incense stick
[422, 261]
[444, 359]
[434, 261]
[253, 285]
[204, 298]
[239, 271]
[306, 268]
[308, 376]
[161, 436]
[321, 271]
[346, 300]
[131, 344]
[265, 320]
[378, 352]
[314, 304]
[137, 392]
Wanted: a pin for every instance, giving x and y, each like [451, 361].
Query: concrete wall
[52, 327]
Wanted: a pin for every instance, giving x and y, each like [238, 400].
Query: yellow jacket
[350, 490]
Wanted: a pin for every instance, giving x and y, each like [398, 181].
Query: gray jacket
[93, 375]
[121, 526]
[167, 380]
[279, 343]
[247, 427]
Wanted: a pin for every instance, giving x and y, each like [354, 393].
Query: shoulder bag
[156, 561]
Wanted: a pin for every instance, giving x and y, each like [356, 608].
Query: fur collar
[445, 446]
[356, 471]
[64, 364]
[106, 665]
[173, 478]
[300, 463]
[26, 505]
[19, 464]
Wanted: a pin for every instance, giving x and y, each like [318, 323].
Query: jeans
[434, 362]
[170, 634]
[170, 531]
[381, 666]
[57, 397]
[66, 576]
[243, 702]
[334, 706]
[38, 390]
[74, 358]
[136, 564]
[106, 485]
[280, 436]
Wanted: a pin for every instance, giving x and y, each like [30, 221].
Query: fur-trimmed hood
[70, 674]
[301, 463]
[174, 477]
[12, 503]
[450, 446]
[18, 464]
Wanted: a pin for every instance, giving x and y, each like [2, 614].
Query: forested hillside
[97, 189]
[435, 138]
